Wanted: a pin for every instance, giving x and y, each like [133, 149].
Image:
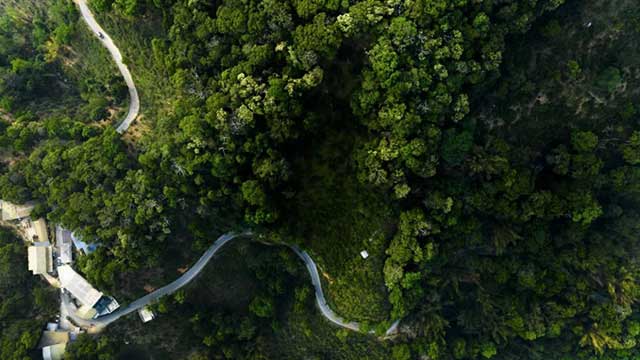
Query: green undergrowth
[335, 217]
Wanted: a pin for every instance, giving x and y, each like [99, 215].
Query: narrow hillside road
[154, 296]
[320, 299]
[134, 104]
[68, 308]
[96, 325]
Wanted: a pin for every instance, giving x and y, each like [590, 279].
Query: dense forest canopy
[484, 152]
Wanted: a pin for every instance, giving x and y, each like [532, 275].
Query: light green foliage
[609, 79]
[401, 352]
[631, 150]
[574, 69]
[262, 307]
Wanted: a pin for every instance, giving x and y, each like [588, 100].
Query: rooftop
[64, 245]
[78, 286]
[35, 230]
[146, 315]
[54, 352]
[40, 258]
[52, 338]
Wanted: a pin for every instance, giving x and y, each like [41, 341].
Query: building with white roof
[40, 258]
[54, 352]
[53, 344]
[78, 286]
[64, 244]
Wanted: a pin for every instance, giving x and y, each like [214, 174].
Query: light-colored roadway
[134, 107]
[134, 104]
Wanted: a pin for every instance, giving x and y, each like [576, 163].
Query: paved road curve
[134, 104]
[188, 276]
[134, 107]
[157, 294]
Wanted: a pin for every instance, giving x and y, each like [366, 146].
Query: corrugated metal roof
[78, 286]
[64, 244]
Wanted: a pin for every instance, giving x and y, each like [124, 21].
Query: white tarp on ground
[78, 286]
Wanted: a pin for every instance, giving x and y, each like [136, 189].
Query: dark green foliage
[25, 301]
[485, 153]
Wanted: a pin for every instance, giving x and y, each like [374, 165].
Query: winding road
[69, 309]
[192, 273]
[134, 104]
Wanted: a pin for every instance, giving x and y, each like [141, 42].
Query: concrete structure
[78, 286]
[12, 211]
[54, 352]
[364, 254]
[40, 258]
[64, 244]
[34, 230]
[146, 314]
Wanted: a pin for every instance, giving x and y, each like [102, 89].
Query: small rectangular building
[64, 244]
[146, 314]
[12, 211]
[78, 286]
[40, 258]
